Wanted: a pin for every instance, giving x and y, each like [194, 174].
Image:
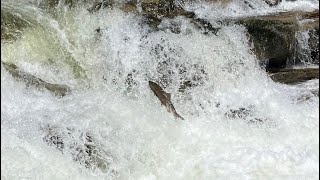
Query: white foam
[144, 139]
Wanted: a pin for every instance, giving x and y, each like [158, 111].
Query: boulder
[274, 35]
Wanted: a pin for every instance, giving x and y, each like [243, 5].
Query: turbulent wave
[239, 123]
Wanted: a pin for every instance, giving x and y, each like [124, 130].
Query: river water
[112, 109]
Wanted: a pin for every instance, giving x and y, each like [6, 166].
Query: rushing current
[112, 126]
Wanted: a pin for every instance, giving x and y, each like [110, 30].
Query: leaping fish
[165, 99]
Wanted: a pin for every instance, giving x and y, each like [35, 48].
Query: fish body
[30, 80]
[165, 98]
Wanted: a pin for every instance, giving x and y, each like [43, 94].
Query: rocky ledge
[274, 36]
[292, 76]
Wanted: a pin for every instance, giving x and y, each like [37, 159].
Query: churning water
[239, 124]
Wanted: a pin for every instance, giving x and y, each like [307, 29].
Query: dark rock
[272, 40]
[274, 35]
[169, 70]
[238, 113]
[48, 4]
[154, 11]
[314, 45]
[81, 145]
[53, 138]
[244, 114]
[97, 6]
[291, 76]
[272, 2]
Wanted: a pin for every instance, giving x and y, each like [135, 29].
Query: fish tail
[178, 116]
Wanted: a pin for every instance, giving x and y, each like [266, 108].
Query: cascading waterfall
[111, 126]
[303, 54]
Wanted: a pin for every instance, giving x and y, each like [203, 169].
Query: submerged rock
[272, 2]
[245, 114]
[238, 113]
[30, 80]
[169, 69]
[82, 146]
[12, 26]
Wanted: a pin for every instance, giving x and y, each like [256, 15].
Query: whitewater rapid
[137, 137]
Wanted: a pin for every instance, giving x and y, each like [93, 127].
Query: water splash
[133, 135]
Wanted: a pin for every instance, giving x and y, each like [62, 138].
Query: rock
[54, 3]
[81, 145]
[155, 10]
[272, 2]
[53, 138]
[244, 114]
[98, 5]
[30, 80]
[314, 45]
[273, 35]
[12, 26]
[291, 76]
[168, 69]
[315, 92]
[272, 40]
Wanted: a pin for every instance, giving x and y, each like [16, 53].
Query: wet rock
[238, 113]
[274, 35]
[155, 11]
[291, 76]
[12, 26]
[245, 114]
[307, 97]
[53, 138]
[314, 45]
[272, 2]
[272, 40]
[315, 92]
[30, 80]
[48, 4]
[82, 146]
[100, 5]
[169, 69]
